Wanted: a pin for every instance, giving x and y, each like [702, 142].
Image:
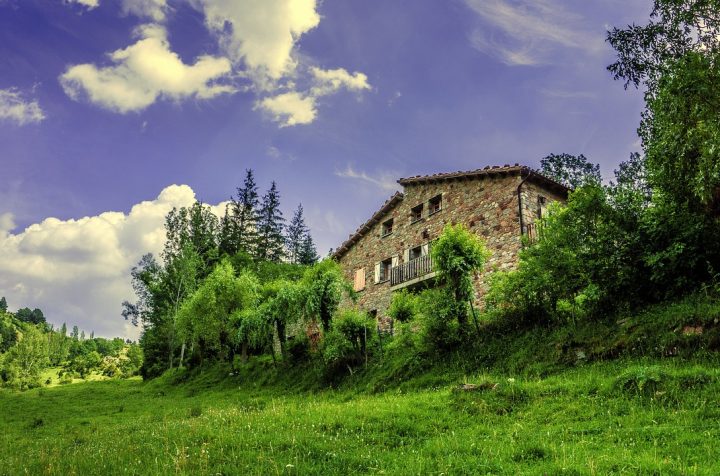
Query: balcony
[411, 272]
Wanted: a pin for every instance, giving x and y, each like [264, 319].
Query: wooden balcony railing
[411, 270]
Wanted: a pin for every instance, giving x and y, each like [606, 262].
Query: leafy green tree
[207, 318]
[681, 132]
[270, 240]
[27, 358]
[570, 170]
[283, 305]
[325, 285]
[295, 234]
[31, 317]
[457, 256]
[8, 331]
[676, 28]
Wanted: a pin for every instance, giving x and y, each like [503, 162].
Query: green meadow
[624, 417]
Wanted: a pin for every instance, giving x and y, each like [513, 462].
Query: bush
[350, 339]
[404, 306]
[438, 328]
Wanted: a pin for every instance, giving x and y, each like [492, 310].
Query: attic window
[416, 213]
[435, 205]
[387, 228]
[541, 205]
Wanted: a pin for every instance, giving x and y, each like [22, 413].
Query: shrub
[404, 306]
[350, 338]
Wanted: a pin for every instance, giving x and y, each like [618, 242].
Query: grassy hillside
[637, 395]
[607, 418]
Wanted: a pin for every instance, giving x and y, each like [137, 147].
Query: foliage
[239, 225]
[325, 285]
[570, 170]
[270, 241]
[457, 256]
[676, 28]
[208, 318]
[25, 360]
[349, 341]
[404, 306]
[681, 132]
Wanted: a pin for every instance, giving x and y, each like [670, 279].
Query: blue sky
[105, 105]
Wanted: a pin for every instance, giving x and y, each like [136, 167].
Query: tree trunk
[244, 352]
[182, 354]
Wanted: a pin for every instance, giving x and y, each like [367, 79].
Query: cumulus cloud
[15, 108]
[293, 108]
[529, 32]
[144, 72]
[152, 9]
[89, 4]
[290, 109]
[77, 271]
[262, 34]
[257, 42]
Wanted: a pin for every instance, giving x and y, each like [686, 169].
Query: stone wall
[487, 205]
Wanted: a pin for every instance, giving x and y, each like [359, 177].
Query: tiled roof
[489, 171]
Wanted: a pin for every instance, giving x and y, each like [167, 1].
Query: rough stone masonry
[391, 250]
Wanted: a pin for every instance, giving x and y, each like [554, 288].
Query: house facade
[391, 251]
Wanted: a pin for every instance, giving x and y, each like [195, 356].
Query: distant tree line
[29, 346]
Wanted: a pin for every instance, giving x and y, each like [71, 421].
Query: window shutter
[377, 272]
[359, 283]
[425, 249]
[406, 255]
[395, 261]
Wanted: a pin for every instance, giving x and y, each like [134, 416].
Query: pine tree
[270, 240]
[295, 235]
[3, 304]
[75, 333]
[241, 225]
[308, 253]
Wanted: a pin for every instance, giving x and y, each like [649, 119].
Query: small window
[385, 269]
[541, 205]
[387, 228]
[435, 205]
[416, 213]
[415, 253]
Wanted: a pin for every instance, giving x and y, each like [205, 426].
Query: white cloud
[385, 181]
[144, 72]
[290, 109]
[90, 4]
[7, 223]
[15, 108]
[330, 81]
[77, 271]
[294, 108]
[152, 9]
[261, 33]
[528, 32]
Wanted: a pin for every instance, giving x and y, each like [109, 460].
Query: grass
[627, 417]
[636, 395]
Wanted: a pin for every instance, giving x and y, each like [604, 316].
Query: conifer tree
[308, 253]
[240, 225]
[3, 304]
[270, 240]
[295, 235]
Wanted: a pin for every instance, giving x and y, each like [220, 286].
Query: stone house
[391, 251]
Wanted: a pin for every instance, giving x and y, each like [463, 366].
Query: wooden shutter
[395, 261]
[377, 272]
[425, 249]
[359, 283]
[406, 255]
